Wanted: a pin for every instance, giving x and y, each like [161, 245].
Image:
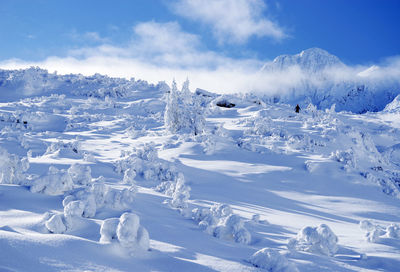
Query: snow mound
[220, 221]
[127, 231]
[272, 260]
[320, 240]
[12, 168]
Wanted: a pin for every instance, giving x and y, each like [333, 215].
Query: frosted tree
[171, 115]
[182, 112]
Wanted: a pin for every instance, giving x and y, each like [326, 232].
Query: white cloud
[155, 37]
[232, 21]
[90, 36]
[94, 36]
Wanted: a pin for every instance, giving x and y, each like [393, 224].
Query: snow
[130, 233]
[100, 182]
[108, 230]
[55, 182]
[127, 231]
[374, 233]
[55, 224]
[271, 260]
[320, 240]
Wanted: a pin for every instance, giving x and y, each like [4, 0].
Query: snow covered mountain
[312, 60]
[323, 80]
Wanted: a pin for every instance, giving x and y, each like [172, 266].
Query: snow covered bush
[393, 231]
[88, 201]
[127, 231]
[108, 230]
[80, 174]
[119, 199]
[346, 157]
[98, 195]
[84, 202]
[232, 228]
[375, 232]
[320, 240]
[361, 153]
[70, 149]
[178, 190]
[183, 113]
[220, 221]
[272, 260]
[56, 224]
[12, 168]
[55, 182]
[143, 163]
[361, 156]
[73, 211]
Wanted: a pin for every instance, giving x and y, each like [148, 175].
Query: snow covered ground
[153, 179]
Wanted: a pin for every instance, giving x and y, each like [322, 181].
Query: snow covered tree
[171, 115]
[182, 112]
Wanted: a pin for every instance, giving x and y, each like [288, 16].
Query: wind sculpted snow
[92, 180]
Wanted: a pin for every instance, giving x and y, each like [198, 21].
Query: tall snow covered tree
[182, 112]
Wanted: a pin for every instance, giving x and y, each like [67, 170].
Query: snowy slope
[256, 177]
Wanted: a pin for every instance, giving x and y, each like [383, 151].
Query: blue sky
[192, 34]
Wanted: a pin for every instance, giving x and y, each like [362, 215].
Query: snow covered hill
[102, 174]
[24, 83]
